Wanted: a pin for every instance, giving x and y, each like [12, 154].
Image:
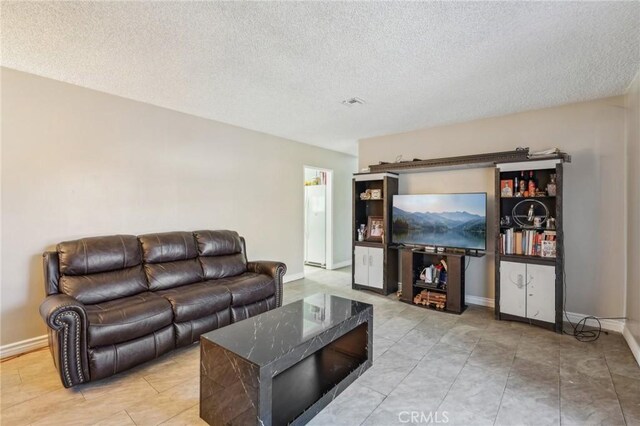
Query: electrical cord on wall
[579, 330]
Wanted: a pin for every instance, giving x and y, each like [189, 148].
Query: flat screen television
[441, 220]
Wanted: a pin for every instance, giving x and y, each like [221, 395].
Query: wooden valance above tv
[465, 161]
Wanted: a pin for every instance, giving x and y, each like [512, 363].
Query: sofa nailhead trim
[65, 345]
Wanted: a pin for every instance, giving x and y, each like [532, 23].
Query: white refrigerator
[315, 225]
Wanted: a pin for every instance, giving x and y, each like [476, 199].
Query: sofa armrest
[67, 319]
[275, 270]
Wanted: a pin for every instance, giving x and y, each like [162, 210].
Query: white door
[315, 224]
[513, 288]
[376, 267]
[541, 292]
[361, 265]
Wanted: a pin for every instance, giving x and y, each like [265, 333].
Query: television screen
[443, 220]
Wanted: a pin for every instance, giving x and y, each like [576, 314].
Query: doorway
[318, 223]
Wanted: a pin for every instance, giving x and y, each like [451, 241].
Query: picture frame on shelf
[375, 228]
[376, 194]
[506, 188]
[548, 248]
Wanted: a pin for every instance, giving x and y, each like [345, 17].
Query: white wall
[76, 162]
[633, 214]
[593, 133]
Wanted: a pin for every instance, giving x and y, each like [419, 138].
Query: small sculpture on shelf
[551, 186]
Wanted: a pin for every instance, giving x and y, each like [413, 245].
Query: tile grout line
[466, 361]
[376, 407]
[606, 362]
[416, 366]
[504, 389]
[129, 415]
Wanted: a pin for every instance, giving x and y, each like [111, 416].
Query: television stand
[414, 261]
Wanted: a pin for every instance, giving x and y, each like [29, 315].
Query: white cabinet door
[541, 292]
[376, 267]
[361, 265]
[513, 288]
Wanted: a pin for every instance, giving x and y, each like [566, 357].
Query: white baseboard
[607, 324]
[339, 265]
[23, 346]
[634, 345]
[478, 300]
[293, 277]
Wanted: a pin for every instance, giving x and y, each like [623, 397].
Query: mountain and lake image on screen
[443, 220]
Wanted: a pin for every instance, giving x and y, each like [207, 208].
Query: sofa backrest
[170, 259]
[221, 253]
[98, 269]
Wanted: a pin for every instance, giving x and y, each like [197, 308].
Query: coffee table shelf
[283, 366]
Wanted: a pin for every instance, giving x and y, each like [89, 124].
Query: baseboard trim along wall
[634, 345]
[23, 346]
[293, 277]
[478, 300]
[342, 264]
[609, 325]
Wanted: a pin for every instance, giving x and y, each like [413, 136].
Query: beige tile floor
[472, 368]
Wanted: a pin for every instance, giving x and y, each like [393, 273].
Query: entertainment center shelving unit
[375, 264]
[527, 288]
[530, 288]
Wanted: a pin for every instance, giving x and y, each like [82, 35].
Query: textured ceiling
[284, 68]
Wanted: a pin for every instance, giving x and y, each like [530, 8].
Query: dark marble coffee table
[285, 365]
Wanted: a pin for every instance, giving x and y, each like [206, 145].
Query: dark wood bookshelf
[504, 207]
[387, 183]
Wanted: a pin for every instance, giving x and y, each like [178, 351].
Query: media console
[414, 260]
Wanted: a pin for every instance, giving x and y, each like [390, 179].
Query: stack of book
[528, 242]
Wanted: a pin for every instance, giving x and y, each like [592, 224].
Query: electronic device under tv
[440, 220]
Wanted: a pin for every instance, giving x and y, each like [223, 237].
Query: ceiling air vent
[353, 101]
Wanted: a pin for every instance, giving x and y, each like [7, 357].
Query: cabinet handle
[364, 259]
[370, 260]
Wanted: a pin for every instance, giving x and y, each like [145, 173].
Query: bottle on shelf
[523, 183]
[532, 184]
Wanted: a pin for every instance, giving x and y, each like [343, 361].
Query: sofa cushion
[249, 288]
[189, 331]
[170, 260]
[168, 247]
[162, 276]
[97, 269]
[98, 254]
[104, 286]
[221, 254]
[217, 243]
[238, 313]
[216, 267]
[197, 300]
[127, 318]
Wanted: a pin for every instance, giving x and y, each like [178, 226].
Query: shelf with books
[528, 242]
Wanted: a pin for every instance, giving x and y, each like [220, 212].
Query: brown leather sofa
[117, 301]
